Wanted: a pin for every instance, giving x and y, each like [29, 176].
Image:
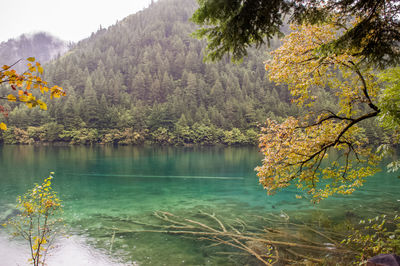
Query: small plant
[37, 221]
[379, 235]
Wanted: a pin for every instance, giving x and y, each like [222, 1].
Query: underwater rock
[384, 260]
[350, 214]
[258, 247]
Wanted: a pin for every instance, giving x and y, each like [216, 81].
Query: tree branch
[365, 88]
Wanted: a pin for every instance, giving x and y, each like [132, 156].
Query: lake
[105, 188]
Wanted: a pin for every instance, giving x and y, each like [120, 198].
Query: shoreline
[202, 136]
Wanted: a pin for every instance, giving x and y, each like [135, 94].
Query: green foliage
[237, 24]
[125, 137]
[389, 116]
[252, 136]
[231, 26]
[16, 135]
[183, 134]
[82, 136]
[379, 235]
[204, 134]
[8, 136]
[199, 134]
[37, 222]
[234, 136]
[161, 136]
[389, 99]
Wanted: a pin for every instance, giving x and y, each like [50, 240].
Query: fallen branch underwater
[269, 245]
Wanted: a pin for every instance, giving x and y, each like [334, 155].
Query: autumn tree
[38, 222]
[23, 85]
[295, 150]
[336, 47]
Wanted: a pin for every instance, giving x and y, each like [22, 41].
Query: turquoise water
[105, 187]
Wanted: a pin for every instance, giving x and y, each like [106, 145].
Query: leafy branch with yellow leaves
[298, 151]
[23, 84]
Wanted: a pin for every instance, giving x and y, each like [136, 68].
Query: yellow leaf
[31, 59]
[23, 98]
[11, 98]
[39, 68]
[3, 126]
[42, 105]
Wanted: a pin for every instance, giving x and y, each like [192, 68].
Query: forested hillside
[144, 79]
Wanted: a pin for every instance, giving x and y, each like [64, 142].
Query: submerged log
[268, 245]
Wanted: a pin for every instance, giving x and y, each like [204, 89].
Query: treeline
[181, 135]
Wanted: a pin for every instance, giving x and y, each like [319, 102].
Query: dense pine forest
[143, 79]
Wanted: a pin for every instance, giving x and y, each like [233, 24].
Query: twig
[166, 219]
[112, 241]
[304, 256]
[234, 229]
[216, 219]
[202, 225]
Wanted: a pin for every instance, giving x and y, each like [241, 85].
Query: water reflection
[67, 252]
[104, 186]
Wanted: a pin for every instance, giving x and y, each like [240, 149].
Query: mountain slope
[146, 73]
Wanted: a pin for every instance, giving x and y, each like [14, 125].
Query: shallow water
[106, 187]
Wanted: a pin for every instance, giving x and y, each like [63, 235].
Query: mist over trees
[43, 46]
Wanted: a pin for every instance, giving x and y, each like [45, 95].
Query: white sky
[69, 20]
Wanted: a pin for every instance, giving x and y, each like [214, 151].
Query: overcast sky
[69, 20]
